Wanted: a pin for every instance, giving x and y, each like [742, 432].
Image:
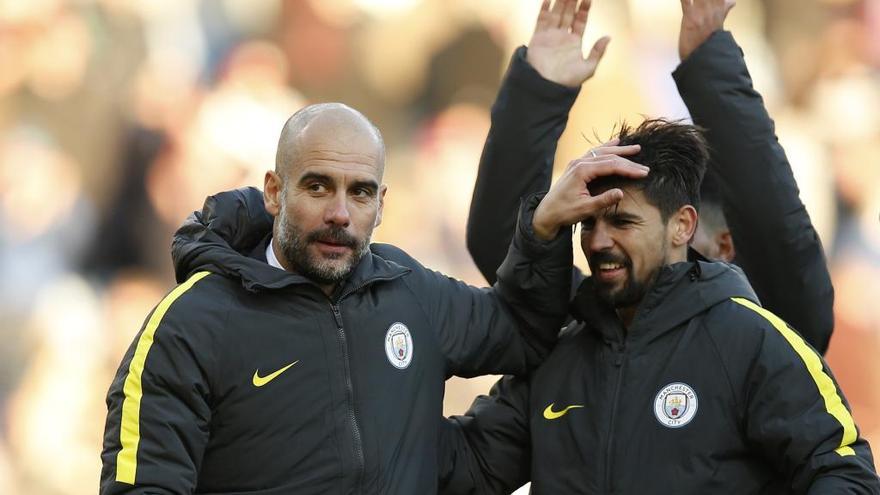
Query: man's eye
[317, 187]
[588, 224]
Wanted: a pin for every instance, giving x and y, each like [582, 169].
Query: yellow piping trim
[129, 428]
[845, 451]
[833, 403]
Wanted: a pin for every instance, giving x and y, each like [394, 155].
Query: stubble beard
[329, 269]
[633, 291]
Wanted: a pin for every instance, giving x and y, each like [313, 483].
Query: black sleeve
[512, 326]
[776, 244]
[528, 118]
[796, 416]
[488, 450]
[159, 409]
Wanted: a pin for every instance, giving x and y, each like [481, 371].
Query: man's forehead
[339, 157]
[337, 171]
[633, 203]
[333, 137]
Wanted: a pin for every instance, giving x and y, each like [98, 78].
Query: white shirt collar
[270, 256]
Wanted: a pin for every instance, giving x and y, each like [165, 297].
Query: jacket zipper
[349, 386]
[349, 391]
[619, 363]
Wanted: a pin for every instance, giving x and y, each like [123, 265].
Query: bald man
[296, 357]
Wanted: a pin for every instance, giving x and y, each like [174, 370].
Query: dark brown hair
[676, 154]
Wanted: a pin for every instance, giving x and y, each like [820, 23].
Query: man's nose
[598, 239]
[337, 212]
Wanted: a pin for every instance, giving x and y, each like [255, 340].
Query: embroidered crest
[675, 405]
[399, 345]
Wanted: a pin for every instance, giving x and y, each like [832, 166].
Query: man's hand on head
[569, 200]
[555, 48]
[699, 19]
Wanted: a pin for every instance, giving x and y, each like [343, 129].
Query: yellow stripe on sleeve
[129, 429]
[833, 403]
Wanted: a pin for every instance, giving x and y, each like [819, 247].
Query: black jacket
[776, 244]
[247, 379]
[705, 393]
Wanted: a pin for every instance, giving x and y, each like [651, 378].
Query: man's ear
[272, 185]
[726, 250]
[382, 190]
[683, 224]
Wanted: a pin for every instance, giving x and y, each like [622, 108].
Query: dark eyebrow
[622, 215]
[314, 176]
[370, 185]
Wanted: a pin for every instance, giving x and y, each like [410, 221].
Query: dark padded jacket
[247, 379]
[706, 392]
[776, 244]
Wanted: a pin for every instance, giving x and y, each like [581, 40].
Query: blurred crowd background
[117, 118]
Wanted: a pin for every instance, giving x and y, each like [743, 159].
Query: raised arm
[528, 118]
[776, 244]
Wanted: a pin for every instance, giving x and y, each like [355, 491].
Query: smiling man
[672, 378]
[296, 357]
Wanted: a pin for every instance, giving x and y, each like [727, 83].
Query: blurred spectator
[119, 116]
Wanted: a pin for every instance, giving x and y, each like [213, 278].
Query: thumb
[598, 51]
[728, 4]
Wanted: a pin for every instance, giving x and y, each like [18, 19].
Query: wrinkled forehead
[337, 145]
[634, 202]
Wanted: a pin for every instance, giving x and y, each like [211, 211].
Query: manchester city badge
[399, 345]
[675, 405]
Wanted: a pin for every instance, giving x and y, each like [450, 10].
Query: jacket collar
[229, 236]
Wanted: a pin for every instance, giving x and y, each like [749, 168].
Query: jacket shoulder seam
[720, 356]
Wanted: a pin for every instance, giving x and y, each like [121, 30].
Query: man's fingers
[619, 166]
[608, 165]
[611, 148]
[568, 9]
[598, 51]
[608, 198]
[686, 5]
[545, 18]
[556, 10]
[580, 18]
[553, 14]
[630, 149]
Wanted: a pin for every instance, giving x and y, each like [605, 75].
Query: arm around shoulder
[511, 327]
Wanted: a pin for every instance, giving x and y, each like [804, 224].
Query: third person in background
[751, 210]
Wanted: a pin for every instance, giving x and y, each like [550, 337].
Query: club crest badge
[675, 405]
[399, 345]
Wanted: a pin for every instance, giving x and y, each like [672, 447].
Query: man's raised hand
[569, 200]
[555, 48]
[699, 19]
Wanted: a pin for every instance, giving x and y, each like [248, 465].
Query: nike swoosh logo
[549, 413]
[259, 381]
